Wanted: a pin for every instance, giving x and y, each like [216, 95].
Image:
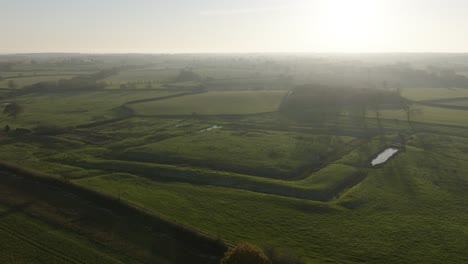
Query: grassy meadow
[214, 103]
[71, 109]
[430, 114]
[367, 220]
[219, 154]
[421, 94]
[160, 75]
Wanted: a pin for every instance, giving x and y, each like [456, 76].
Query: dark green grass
[69, 109]
[272, 154]
[463, 103]
[24, 239]
[420, 94]
[409, 211]
[429, 114]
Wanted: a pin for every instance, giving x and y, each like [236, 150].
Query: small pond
[211, 128]
[384, 156]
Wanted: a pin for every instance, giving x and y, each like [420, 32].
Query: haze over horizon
[210, 26]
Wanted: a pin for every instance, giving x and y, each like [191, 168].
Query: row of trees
[12, 110]
[10, 84]
[78, 83]
[319, 104]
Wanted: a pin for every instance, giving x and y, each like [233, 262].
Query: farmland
[214, 103]
[76, 108]
[232, 154]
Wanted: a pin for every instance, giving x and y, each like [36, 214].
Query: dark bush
[279, 256]
[245, 253]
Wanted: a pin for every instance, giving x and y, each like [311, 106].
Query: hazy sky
[153, 26]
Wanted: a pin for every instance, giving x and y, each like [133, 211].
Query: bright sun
[350, 25]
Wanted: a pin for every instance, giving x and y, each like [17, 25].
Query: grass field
[429, 114]
[341, 225]
[227, 163]
[214, 103]
[371, 232]
[69, 109]
[460, 102]
[420, 94]
[27, 240]
[273, 154]
[161, 75]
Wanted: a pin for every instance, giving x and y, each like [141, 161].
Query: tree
[13, 109]
[410, 111]
[187, 76]
[245, 253]
[12, 84]
[375, 104]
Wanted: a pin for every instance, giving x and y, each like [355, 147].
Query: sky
[225, 26]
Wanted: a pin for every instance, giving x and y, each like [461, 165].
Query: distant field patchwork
[144, 74]
[65, 109]
[25, 81]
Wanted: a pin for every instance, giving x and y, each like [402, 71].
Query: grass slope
[24, 239]
[273, 154]
[388, 218]
[69, 109]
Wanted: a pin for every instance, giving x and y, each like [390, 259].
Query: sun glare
[350, 25]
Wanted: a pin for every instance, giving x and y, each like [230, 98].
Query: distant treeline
[78, 83]
[319, 102]
[399, 75]
[411, 78]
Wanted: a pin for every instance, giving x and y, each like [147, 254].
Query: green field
[366, 233]
[69, 109]
[27, 240]
[430, 114]
[273, 154]
[161, 75]
[225, 157]
[420, 94]
[214, 103]
[460, 102]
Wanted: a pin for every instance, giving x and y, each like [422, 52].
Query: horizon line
[233, 52]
